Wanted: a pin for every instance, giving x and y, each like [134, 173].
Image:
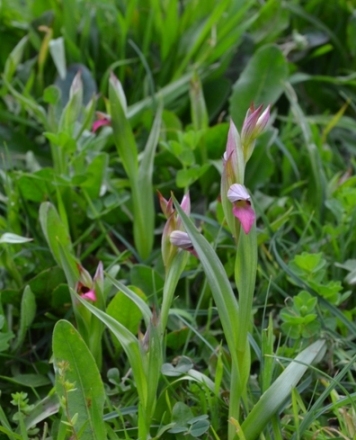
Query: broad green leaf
[37, 185]
[199, 427]
[309, 262]
[188, 176]
[177, 338]
[135, 298]
[275, 396]
[95, 175]
[27, 315]
[181, 414]
[262, 82]
[76, 369]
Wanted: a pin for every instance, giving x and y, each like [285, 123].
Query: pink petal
[246, 215]
[99, 273]
[185, 203]
[250, 121]
[90, 295]
[166, 205]
[263, 119]
[100, 123]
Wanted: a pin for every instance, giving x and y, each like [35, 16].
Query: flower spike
[173, 236]
[254, 123]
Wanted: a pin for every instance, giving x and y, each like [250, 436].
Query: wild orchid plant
[236, 316]
[239, 213]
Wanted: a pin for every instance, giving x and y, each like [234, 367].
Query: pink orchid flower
[242, 209]
[102, 120]
[86, 285]
[172, 237]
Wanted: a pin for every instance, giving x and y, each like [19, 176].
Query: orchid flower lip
[242, 209]
[90, 295]
[100, 123]
[245, 215]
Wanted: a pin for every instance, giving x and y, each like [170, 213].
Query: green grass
[212, 344]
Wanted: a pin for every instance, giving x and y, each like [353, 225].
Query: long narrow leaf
[143, 198]
[272, 400]
[220, 286]
[124, 138]
[129, 343]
